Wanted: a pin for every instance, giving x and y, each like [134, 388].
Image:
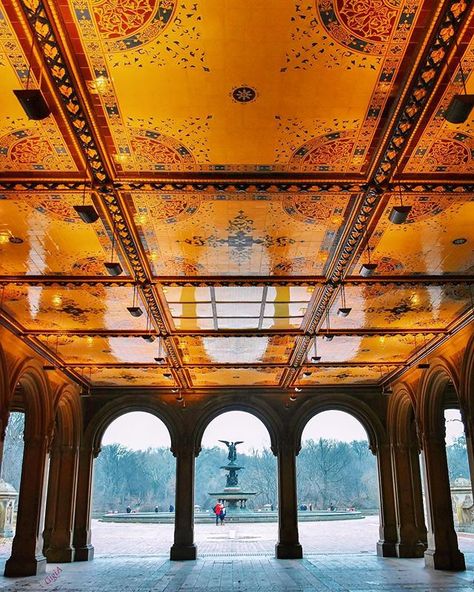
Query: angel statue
[232, 447]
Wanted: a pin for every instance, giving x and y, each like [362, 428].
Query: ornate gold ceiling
[243, 162]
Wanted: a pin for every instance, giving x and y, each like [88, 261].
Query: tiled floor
[338, 557]
[324, 573]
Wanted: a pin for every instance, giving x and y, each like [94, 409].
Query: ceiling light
[57, 300]
[459, 108]
[344, 310]
[87, 213]
[399, 214]
[49, 368]
[367, 269]
[167, 375]
[315, 358]
[113, 267]
[307, 374]
[135, 311]
[297, 389]
[328, 337]
[149, 338]
[33, 103]
[292, 397]
[16, 240]
[159, 360]
[423, 366]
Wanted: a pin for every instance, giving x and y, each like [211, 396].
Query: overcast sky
[141, 430]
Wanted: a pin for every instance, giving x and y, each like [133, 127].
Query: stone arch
[36, 401]
[97, 426]
[400, 406]
[4, 391]
[68, 414]
[432, 389]
[258, 409]
[467, 376]
[372, 424]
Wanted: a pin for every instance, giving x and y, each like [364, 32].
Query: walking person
[222, 514]
[217, 511]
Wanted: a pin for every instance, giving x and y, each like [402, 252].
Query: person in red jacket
[217, 511]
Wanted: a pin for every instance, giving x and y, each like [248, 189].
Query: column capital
[286, 446]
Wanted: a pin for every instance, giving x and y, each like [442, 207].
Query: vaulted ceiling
[243, 158]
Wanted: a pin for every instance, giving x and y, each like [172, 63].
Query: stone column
[288, 546]
[184, 547]
[65, 462]
[443, 551]
[468, 420]
[3, 427]
[386, 546]
[408, 501]
[84, 551]
[27, 552]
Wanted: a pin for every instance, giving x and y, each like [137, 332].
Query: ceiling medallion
[244, 94]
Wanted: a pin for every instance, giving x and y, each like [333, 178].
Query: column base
[20, 567]
[63, 555]
[85, 553]
[385, 549]
[183, 552]
[409, 551]
[293, 551]
[445, 560]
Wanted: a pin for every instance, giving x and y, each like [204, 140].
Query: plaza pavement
[339, 556]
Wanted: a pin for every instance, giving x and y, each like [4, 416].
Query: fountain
[232, 496]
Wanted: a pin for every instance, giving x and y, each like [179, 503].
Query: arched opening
[10, 479]
[460, 483]
[439, 391]
[237, 470]
[338, 496]
[134, 487]
[30, 395]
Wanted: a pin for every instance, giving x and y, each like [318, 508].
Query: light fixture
[307, 374]
[160, 359]
[113, 267]
[387, 389]
[149, 337]
[367, 269]
[49, 368]
[135, 310]
[167, 375]
[31, 99]
[461, 105]
[33, 102]
[327, 336]
[423, 365]
[315, 358]
[85, 212]
[399, 214]
[297, 389]
[292, 397]
[344, 310]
